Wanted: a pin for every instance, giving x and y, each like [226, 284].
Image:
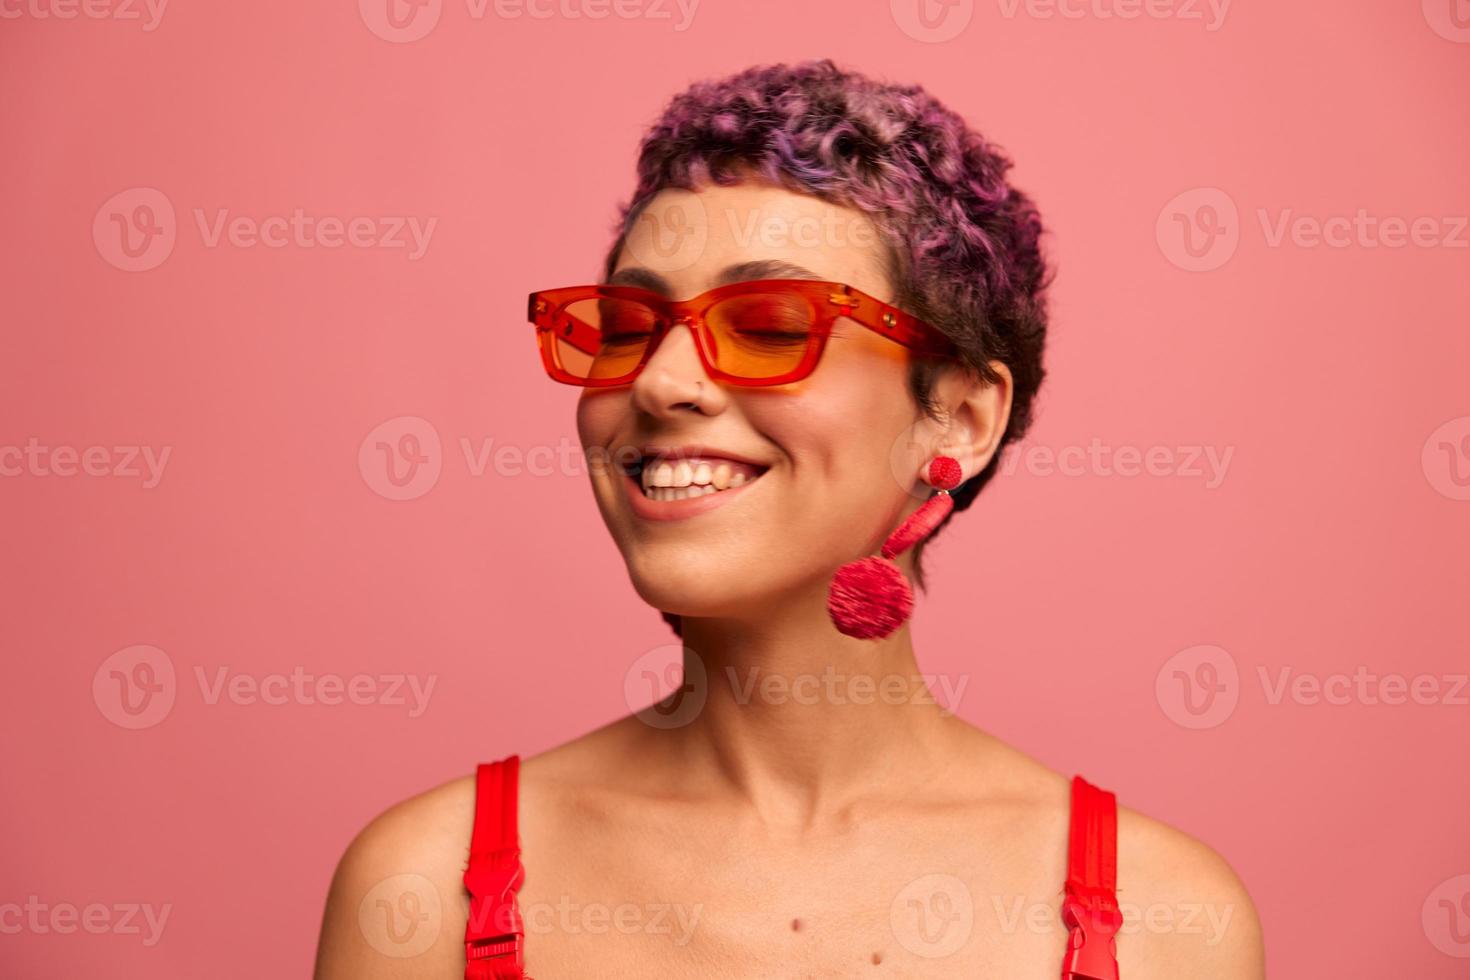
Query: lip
[678, 510]
[688, 452]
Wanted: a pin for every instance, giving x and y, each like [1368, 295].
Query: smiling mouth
[692, 476]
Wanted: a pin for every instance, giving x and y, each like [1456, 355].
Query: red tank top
[494, 933]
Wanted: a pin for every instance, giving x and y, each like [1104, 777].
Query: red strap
[1090, 908]
[494, 933]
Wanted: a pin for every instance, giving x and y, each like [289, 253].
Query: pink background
[1336, 539]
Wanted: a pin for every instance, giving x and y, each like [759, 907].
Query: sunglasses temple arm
[579, 335]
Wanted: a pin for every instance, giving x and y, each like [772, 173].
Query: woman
[862, 297]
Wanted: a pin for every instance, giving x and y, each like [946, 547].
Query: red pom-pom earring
[869, 598]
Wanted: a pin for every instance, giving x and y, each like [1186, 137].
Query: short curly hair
[963, 245]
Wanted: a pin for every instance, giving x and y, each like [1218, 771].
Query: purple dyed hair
[963, 245]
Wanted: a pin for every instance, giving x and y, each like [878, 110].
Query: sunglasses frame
[546, 309]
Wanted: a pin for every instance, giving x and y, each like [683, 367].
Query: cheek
[844, 427]
[859, 394]
[596, 418]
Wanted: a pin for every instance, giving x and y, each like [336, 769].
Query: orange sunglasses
[755, 333]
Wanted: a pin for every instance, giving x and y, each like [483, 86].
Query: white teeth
[692, 478]
[679, 493]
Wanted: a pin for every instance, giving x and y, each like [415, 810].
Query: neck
[799, 719]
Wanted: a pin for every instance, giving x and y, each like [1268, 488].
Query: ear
[977, 413]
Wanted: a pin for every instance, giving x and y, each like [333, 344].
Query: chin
[676, 587]
[688, 582]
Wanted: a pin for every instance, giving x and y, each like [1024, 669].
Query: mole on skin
[796, 927]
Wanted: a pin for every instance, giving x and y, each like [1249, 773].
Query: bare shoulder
[1186, 908]
[1186, 911]
[396, 906]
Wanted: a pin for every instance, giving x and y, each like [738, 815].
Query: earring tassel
[870, 598]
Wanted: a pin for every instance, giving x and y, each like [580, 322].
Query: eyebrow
[741, 272]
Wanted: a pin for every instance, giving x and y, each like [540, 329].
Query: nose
[671, 380]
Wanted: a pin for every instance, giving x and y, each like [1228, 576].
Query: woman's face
[842, 449]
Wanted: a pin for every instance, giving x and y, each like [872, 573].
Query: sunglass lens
[603, 338]
[761, 335]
